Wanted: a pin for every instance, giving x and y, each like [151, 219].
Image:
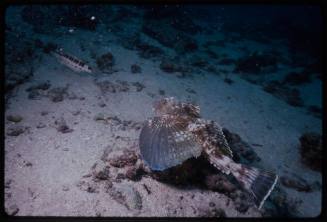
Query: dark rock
[228, 81]
[57, 94]
[14, 118]
[34, 95]
[99, 116]
[136, 68]
[101, 104]
[62, 126]
[103, 174]
[226, 61]
[219, 183]
[311, 150]
[290, 96]
[106, 62]
[122, 86]
[189, 90]
[198, 62]
[40, 86]
[216, 212]
[65, 188]
[170, 67]
[315, 111]
[135, 173]
[44, 113]
[294, 78]
[128, 158]
[189, 172]
[49, 47]
[15, 131]
[162, 92]
[256, 63]
[107, 86]
[139, 86]
[144, 49]
[148, 51]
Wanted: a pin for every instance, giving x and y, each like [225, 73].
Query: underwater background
[71, 134]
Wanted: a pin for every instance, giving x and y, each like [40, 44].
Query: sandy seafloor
[49, 186]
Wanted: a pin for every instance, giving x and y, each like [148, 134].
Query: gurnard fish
[177, 133]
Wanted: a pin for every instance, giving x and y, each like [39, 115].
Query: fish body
[72, 62]
[177, 133]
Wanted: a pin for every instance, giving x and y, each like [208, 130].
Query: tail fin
[258, 182]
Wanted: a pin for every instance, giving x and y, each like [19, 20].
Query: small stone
[62, 126]
[28, 164]
[44, 113]
[228, 81]
[12, 210]
[99, 116]
[162, 92]
[129, 158]
[103, 175]
[102, 104]
[75, 113]
[212, 204]
[7, 184]
[139, 86]
[189, 90]
[65, 188]
[14, 118]
[65, 149]
[40, 125]
[136, 69]
[129, 197]
[91, 189]
[15, 131]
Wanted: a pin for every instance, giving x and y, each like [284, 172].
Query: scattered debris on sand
[62, 126]
[15, 130]
[136, 68]
[106, 62]
[14, 118]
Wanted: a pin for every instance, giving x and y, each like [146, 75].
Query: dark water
[275, 47]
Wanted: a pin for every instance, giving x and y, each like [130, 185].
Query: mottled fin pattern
[258, 182]
[216, 133]
[165, 142]
[211, 136]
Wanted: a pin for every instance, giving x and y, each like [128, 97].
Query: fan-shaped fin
[165, 143]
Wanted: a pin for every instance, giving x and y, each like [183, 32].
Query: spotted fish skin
[177, 133]
[72, 62]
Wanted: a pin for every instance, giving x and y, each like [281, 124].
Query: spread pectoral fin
[165, 143]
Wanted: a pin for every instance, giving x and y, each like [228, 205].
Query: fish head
[164, 106]
[88, 69]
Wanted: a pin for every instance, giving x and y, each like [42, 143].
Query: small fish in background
[71, 62]
[177, 133]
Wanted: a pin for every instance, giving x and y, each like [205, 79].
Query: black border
[321, 3]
